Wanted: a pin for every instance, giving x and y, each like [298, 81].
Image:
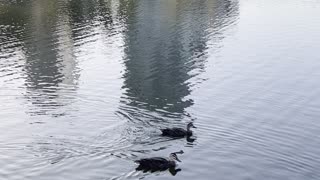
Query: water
[85, 86]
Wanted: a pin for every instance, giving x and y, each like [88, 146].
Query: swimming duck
[178, 132]
[157, 163]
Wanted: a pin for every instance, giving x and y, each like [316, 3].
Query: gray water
[85, 86]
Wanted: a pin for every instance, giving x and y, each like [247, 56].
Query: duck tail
[137, 161]
[165, 131]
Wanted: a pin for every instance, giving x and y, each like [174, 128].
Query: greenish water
[85, 86]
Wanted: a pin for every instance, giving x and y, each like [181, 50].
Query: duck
[178, 132]
[158, 163]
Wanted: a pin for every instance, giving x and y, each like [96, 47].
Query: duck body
[175, 132]
[158, 163]
[155, 164]
[178, 132]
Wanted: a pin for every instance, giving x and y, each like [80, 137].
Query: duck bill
[179, 152]
[178, 159]
[194, 127]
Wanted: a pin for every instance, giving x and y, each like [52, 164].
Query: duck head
[190, 125]
[174, 157]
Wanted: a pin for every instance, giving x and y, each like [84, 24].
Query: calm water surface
[85, 86]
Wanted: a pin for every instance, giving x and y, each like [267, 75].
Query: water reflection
[50, 62]
[12, 20]
[166, 46]
[50, 68]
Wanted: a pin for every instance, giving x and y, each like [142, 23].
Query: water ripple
[87, 85]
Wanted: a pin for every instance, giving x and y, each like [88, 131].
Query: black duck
[157, 163]
[178, 132]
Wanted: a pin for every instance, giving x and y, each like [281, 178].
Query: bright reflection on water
[85, 86]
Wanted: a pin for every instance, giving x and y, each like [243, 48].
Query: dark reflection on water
[49, 69]
[49, 63]
[165, 49]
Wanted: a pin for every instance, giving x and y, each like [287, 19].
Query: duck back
[175, 132]
[154, 164]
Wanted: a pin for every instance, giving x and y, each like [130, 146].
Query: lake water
[85, 86]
